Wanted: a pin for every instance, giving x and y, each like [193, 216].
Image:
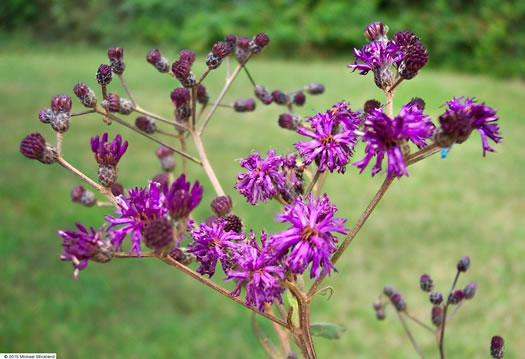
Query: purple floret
[258, 272]
[375, 55]
[264, 179]
[309, 239]
[108, 153]
[180, 200]
[385, 136]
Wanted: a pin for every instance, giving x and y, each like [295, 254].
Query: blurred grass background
[464, 205]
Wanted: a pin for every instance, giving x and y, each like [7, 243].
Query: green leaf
[293, 303]
[327, 330]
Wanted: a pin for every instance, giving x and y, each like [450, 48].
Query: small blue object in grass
[445, 151]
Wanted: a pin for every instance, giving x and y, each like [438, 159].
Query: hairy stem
[410, 336]
[227, 85]
[106, 192]
[206, 164]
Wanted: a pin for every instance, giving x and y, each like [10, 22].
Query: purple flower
[213, 243]
[259, 273]
[135, 212]
[309, 238]
[375, 55]
[180, 200]
[264, 179]
[460, 119]
[343, 115]
[108, 153]
[331, 150]
[82, 246]
[386, 136]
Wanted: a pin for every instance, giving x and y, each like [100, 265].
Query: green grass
[464, 205]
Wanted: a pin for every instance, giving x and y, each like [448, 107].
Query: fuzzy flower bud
[244, 105]
[45, 115]
[117, 189]
[35, 147]
[437, 315]
[146, 124]
[181, 69]
[497, 347]
[61, 103]
[155, 58]
[86, 96]
[112, 102]
[376, 31]
[104, 75]
[116, 59]
[262, 94]
[463, 264]
[231, 40]
[388, 290]
[315, 88]
[243, 49]
[213, 61]
[426, 283]
[220, 49]
[222, 205]
[470, 290]
[289, 121]
[180, 96]
[455, 297]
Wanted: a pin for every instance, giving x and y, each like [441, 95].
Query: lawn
[463, 205]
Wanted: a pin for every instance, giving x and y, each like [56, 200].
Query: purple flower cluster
[309, 239]
[462, 117]
[329, 148]
[263, 179]
[82, 246]
[386, 135]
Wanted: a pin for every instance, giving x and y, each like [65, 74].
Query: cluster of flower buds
[155, 58]
[167, 161]
[218, 52]
[115, 103]
[60, 114]
[116, 59]
[405, 53]
[181, 99]
[181, 69]
[86, 95]
[146, 124]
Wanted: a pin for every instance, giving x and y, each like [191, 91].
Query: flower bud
[162, 178]
[116, 59]
[212, 219]
[80, 195]
[376, 31]
[112, 102]
[107, 174]
[86, 96]
[398, 301]
[380, 314]
[117, 189]
[182, 255]
[220, 49]
[426, 283]
[125, 106]
[299, 98]
[377, 305]
[187, 55]
[155, 58]
[104, 75]
[181, 69]
[180, 96]
[455, 297]
[437, 315]
[259, 42]
[388, 291]
[497, 347]
[60, 121]
[371, 105]
[436, 298]
[202, 95]
[315, 88]
[222, 205]
[244, 105]
[418, 102]
[231, 40]
[242, 50]
[470, 290]
[146, 124]
[463, 264]
[165, 156]
[45, 115]
[280, 97]
[262, 94]
[213, 61]
[233, 223]
[35, 147]
[289, 121]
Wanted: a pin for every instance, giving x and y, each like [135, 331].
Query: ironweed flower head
[34, 147]
[108, 153]
[134, 214]
[342, 115]
[385, 135]
[263, 179]
[329, 149]
[309, 239]
[180, 200]
[211, 244]
[257, 271]
[462, 116]
[82, 246]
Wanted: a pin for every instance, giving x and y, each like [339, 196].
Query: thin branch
[443, 324]
[456, 308]
[193, 105]
[171, 134]
[292, 92]
[313, 182]
[60, 138]
[178, 125]
[121, 77]
[422, 154]
[206, 164]
[320, 184]
[399, 80]
[203, 77]
[124, 123]
[409, 334]
[182, 140]
[227, 85]
[416, 320]
[250, 76]
[82, 113]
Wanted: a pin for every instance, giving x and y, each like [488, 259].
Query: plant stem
[121, 77]
[182, 140]
[82, 113]
[409, 334]
[399, 80]
[60, 137]
[320, 185]
[171, 134]
[160, 118]
[124, 123]
[416, 320]
[422, 154]
[227, 85]
[389, 103]
[371, 206]
[313, 182]
[203, 77]
[443, 324]
[250, 76]
[206, 163]
[86, 179]
[456, 308]
[193, 108]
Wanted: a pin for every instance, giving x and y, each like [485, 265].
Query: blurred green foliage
[479, 35]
